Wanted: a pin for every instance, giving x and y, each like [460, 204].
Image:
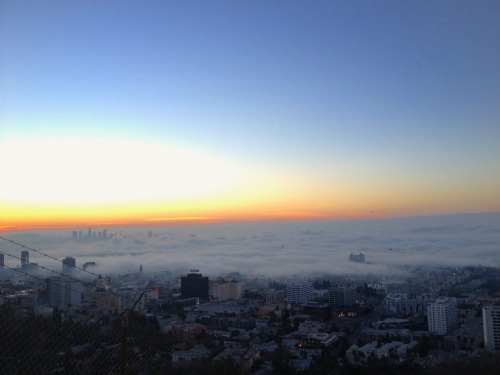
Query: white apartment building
[229, 288]
[398, 303]
[299, 293]
[64, 293]
[491, 327]
[442, 315]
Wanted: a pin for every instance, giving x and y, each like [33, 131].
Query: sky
[159, 112]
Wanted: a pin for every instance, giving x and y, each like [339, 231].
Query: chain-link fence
[55, 322]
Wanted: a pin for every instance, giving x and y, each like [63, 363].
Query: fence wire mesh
[74, 321]
[61, 323]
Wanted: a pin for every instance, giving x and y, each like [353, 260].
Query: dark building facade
[25, 259]
[194, 285]
[69, 264]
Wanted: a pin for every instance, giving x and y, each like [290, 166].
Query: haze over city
[260, 187]
[298, 249]
[173, 112]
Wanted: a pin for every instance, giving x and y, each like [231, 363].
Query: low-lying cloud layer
[278, 249]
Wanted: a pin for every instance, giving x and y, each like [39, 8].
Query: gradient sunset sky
[210, 111]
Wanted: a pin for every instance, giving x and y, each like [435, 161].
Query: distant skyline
[174, 112]
[274, 248]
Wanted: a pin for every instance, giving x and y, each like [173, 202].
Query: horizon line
[191, 221]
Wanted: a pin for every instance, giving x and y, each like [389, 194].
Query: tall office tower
[69, 264]
[25, 258]
[104, 234]
[74, 235]
[299, 293]
[64, 293]
[194, 285]
[342, 296]
[442, 315]
[491, 327]
[80, 235]
[358, 258]
[2, 263]
[228, 288]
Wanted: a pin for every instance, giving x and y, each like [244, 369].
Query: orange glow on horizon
[40, 217]
[200, 188]
[25, 219]
[243, 207]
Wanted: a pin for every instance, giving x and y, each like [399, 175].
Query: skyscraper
[194, 285]
[69, 264]
[25, 258]
[491, 327]
[1, 261]
[442, 315]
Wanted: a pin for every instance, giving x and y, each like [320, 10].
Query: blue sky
[368, 91]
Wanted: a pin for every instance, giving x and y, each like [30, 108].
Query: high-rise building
[491, 327]
[228, 288]
[399, 303]
[69, 264]
[358, 258]
[275, 296]
[101, 283]
[342, 296]
[442, 315]
[2, 262]
[299, 293]
[25, 258]
[64, 293]
[194, 285]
